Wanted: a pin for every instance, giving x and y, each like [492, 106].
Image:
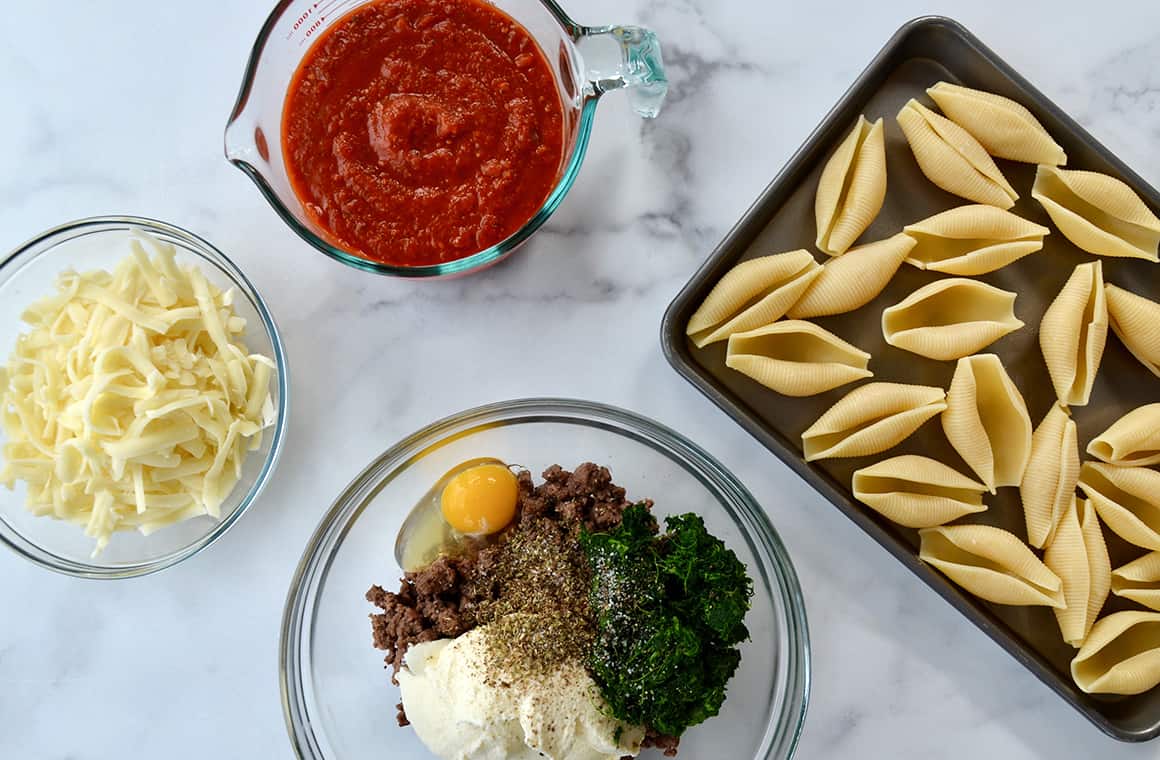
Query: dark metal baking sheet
[923, 52]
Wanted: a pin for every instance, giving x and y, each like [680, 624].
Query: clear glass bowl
[587, 61]
[338, 699]
[29, 273]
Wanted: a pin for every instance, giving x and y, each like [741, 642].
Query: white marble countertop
[120, 107]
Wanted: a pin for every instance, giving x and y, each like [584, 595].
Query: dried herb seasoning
[539, 617]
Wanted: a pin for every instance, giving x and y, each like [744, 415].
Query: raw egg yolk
[480, 500]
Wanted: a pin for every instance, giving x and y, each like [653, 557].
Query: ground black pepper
[540, 616]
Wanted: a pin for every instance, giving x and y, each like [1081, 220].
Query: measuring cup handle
[625, 57]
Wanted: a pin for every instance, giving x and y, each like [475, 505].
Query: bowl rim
[303, 591]
[24, 254]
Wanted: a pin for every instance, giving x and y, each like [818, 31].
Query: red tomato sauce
[422, 131]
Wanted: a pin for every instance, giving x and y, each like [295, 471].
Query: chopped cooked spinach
[670, 611]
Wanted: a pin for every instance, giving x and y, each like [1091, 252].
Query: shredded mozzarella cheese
[132, 402]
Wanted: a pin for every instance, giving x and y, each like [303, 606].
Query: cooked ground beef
[434, 603]
[586, 496]
[666, 744]
[659, 742]
[444, 599]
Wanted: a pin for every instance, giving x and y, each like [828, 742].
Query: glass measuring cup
[587, 62]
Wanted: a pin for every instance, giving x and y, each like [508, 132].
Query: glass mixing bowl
[338, 699]
[29, 273]
[587, 62]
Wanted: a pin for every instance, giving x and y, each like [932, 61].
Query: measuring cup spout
[245, 142]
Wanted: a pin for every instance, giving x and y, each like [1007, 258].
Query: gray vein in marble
[670, 148]
[45, 137]
[19, 66]
[690, 72]
[693, 16]
[664, 223]
[596, 290]
[1129, 95]
[670, 143]
[843, 727]
[1125, 101]
[517, 282]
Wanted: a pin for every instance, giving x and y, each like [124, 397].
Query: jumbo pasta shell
[1100, 214]
[1136, 322]
[796, 358]
[1048, 484]
[1121, 654]
[950, 319]
[972, 240]
[852, 188]
[870, 419]
[992, 564]
[986, 421]
[917, 492]
[1139, 580]
[952, 159]
[751, 294]
[1132, 440]
[1073, 333]
[1128, 500]
[851, 281]
[1003, 127]
[1079, 556]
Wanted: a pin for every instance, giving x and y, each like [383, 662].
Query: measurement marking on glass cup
[302, 19]
[311, 20]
